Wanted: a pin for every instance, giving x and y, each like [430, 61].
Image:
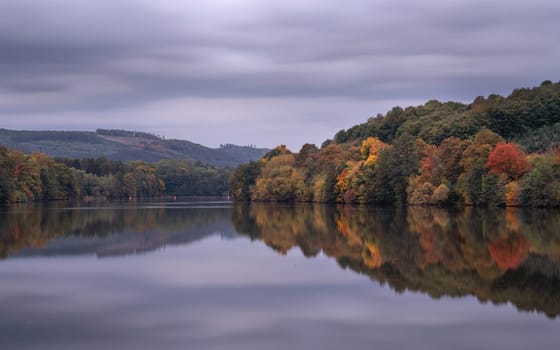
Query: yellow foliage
[319, 188]
[342, 181]
[370, 149]
[345, 177]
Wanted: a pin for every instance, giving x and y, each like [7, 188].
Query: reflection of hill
[502, 256]
[105, 231]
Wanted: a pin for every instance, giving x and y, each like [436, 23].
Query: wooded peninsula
[495, 151]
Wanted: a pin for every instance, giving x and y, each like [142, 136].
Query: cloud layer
[246, 71]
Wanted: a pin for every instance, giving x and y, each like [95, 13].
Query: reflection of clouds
[196, 268]
[196, 297]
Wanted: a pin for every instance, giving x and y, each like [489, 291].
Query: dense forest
[435, 154]
[522, 111]
[34, 177]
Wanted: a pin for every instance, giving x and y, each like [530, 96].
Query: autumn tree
[277, 151]
[509, 160]
[473, 161]
[277, 180]
[450, 152]
[346, 182]
[306, 154]
[370, 149]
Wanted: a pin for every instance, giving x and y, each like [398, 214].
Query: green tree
[243, 180]
[540, 188]
[394, 167]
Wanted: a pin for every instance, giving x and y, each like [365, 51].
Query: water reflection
[498, 256]
[116, 229]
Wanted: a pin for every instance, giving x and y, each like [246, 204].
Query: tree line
[36, 177]
[511, 117]
[434, 154]
[482, 170]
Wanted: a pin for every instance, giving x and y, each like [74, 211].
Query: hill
[434, 154]
[124, 145]
[513, 116]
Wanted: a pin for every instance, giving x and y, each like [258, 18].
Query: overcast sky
[260, 72]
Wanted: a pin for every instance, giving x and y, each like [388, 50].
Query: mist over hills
[124, 145]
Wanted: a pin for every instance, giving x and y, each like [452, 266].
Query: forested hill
[497, 151]
[523, 111]
[124, 145]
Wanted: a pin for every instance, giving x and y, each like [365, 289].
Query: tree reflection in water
[499, 256]
[106, 230]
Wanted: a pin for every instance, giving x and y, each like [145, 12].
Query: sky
[260, 72]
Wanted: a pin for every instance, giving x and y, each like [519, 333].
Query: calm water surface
[213, 275]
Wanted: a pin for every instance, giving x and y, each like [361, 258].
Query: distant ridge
[124, 145]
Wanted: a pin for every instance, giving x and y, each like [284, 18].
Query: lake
[215, 275]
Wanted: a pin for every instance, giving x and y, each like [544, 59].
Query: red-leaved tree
[508, 159]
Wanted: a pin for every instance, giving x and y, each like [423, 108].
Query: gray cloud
[99, 63]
